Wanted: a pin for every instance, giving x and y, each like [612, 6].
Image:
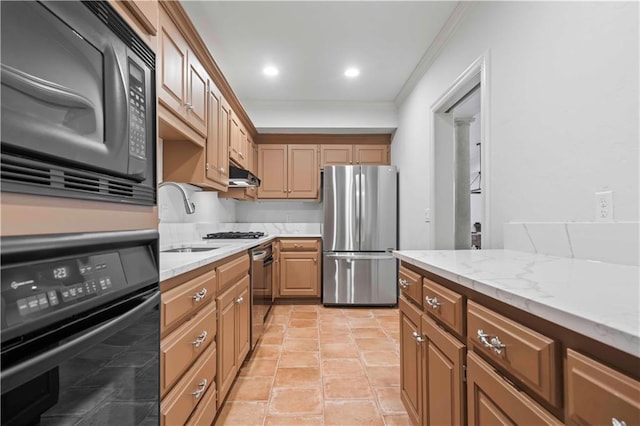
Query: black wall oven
[80, 329]
[77, 102]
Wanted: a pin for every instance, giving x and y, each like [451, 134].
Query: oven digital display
[60, 272]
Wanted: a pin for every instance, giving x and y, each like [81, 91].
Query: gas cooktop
[233, 235]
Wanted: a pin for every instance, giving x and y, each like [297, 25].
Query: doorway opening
[459, 164]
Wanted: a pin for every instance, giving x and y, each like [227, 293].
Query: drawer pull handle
[240, 300]
[433, 302]
[403, 283]
[201, 338]
[418, 338]
[494, 344]
[616, 422]
[200, 295]
[201, 388]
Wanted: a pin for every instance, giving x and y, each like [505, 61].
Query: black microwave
[78, 103]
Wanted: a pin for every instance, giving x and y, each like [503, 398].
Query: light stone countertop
[599, 300]
[174, 264]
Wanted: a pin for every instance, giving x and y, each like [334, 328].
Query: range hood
[241, 178]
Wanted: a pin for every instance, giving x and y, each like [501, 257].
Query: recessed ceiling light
[270, 71]
[352, 72]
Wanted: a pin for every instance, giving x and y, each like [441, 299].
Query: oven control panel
[34, 290]
[137, 115]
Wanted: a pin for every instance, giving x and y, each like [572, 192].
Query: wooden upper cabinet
[371, 154]
[599, 395]
[235, 139]
[171, 75]
[196, 100]
[146, 11]
[336, 155]
[217, 166]
[303, 176]
[272, 169]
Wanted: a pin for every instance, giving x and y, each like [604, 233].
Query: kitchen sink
[189, 249]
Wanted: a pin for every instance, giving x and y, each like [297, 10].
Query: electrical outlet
[604, 206]
[427, 215]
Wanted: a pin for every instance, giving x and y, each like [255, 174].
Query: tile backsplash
[617, 242]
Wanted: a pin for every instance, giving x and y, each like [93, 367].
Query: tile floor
[321, 366]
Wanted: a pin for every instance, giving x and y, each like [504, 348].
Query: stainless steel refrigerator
[359, 232]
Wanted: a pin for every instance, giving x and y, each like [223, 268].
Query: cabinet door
[302, 181]
[255, 160]
[272, 168]
[225, 140]
[197, 96]
[242, 146]
[234, 138]
[299, 274]
[411, 376]
[147, 13]
[443, 359]
[226, 338]
[217, 150]
[275, 272]
[371, 154]
[243, 318]
[598, 395]
[173, 65]
[491, 400]
[336, 155]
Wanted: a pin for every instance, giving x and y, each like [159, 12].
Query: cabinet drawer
[299, 245]
[410, 284]
[176, 408]
[182, 346]
[528, 355]
[230, 272]
[187, 298]
[206, 411]
[596, 394]
[492, 400]
[444, 304]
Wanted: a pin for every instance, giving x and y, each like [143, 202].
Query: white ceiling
[313, 42]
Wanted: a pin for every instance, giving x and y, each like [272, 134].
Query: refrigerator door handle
[363, 204]
[357, 177]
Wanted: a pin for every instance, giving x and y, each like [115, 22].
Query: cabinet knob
[200, 295]
[201, 388]
[221, 169]
[433, 302]
[403, 283]
[315, 260]
[418, 338]
[241, 155]
[200, 339]
[240, 300]
[289, 191]
[206, 166]
[616, 422]
[189, 106]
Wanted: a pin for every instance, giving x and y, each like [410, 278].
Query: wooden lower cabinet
[443, 358]
[411, 374]
[599, 395]
[298, 263]
[492, 400]
[234, 328]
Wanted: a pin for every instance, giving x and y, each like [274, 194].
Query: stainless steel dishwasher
[261, 289]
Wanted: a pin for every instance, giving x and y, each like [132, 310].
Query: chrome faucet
[188, 205]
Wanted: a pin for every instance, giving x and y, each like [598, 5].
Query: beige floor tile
[379, 344]
[383, 376]
[397, 420]
[304, 315]
[347, 388]
[278, 319]
[299, 359]
[380, 358]
[333, 326]
[242, 414]
[274, 420]
[389, 323]
[338, 350]
[358, 313]
[368, 333]
[297, 377]
[251, 389]
[279, 309]
[272, 339]
[389, 400]
[301, 333]
[363, 323]
[342, 367]
[386, 312]
[295, 401]
[305, 345]
[335, 337]
[309, 307]
[275, 329]
[303, 323]
[267, 351]
[351, 413]
[259, 368]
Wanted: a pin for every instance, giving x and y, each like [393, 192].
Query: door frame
[477, 72]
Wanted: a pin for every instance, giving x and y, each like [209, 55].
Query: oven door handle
[258, 255]
[21, 373]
